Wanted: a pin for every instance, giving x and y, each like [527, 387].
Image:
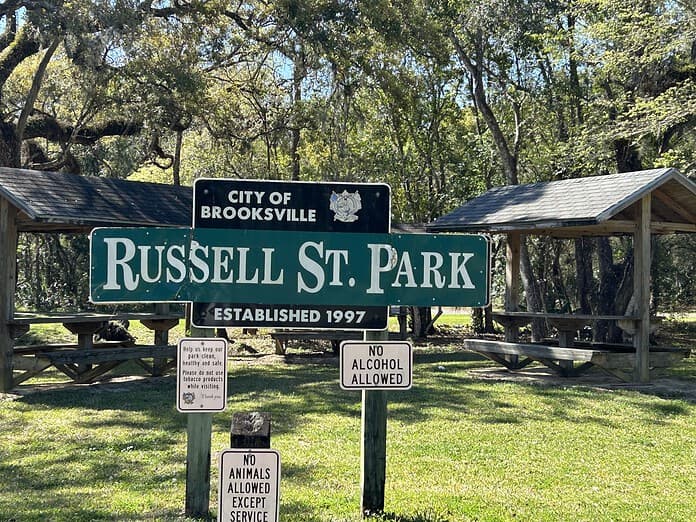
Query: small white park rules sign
[249, 485]
[201, 375]
[376, 365]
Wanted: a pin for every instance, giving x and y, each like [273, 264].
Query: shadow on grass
[294, 393]
[426, 516]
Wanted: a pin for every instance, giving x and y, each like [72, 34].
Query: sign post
[308, 255]
[373, 469]
[199, 428]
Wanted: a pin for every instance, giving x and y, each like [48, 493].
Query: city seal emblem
[345, 206]
[188, 397]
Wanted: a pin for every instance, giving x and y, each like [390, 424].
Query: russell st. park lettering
[271, 267]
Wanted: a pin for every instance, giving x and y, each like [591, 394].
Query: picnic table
[567, 356]
[86, 360]
[283, 335]
[567, 325]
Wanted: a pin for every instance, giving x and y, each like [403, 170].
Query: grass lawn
[459, 448]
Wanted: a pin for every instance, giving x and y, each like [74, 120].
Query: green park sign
[269, 267]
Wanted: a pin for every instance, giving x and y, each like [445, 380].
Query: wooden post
[641, 290]
[512, 291]
[8, 266]
[374, 444]
[198, 432]
[199, 428]
[161, 338]
[251, 430]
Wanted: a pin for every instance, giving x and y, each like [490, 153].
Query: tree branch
[34, 89]
[10, 6]
[23, 46]
[45, 126]
[507, 156]
[8, 35]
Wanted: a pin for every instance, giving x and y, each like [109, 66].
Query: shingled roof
[586, 206]
[52, 201]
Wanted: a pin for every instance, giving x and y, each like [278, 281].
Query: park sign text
[269, 267]
[291, 206]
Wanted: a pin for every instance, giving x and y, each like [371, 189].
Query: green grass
[458, 449]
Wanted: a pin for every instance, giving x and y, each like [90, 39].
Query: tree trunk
[562, 301]
[583, 274]
[531, 292]
[615, 289]
[477, 320]
[421, 317]
[299, 72]
[176, 164]
[10, 147]
[482, 320]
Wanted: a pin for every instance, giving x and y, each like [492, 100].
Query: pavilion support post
[161, 339]
[512, 282]
[8, 275]
[641, 290]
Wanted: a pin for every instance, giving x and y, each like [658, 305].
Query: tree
[73, 73]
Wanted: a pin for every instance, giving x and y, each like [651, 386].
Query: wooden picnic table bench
[281, 337]
[562, 358]
[87, 360]
[566, 324]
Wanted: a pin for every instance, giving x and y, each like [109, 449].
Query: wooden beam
[8, 266]
[641, 291]
[662, 227]
[688, 215]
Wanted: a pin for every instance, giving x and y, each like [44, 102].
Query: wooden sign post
[199, 429]
[374, 444]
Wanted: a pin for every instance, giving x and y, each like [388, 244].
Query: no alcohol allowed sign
[376, 365]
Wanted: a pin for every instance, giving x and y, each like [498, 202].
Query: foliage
[53, 272]
[442, 99]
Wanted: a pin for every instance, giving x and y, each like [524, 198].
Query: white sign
[201, 375]
[376, 365]
[249, 485]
